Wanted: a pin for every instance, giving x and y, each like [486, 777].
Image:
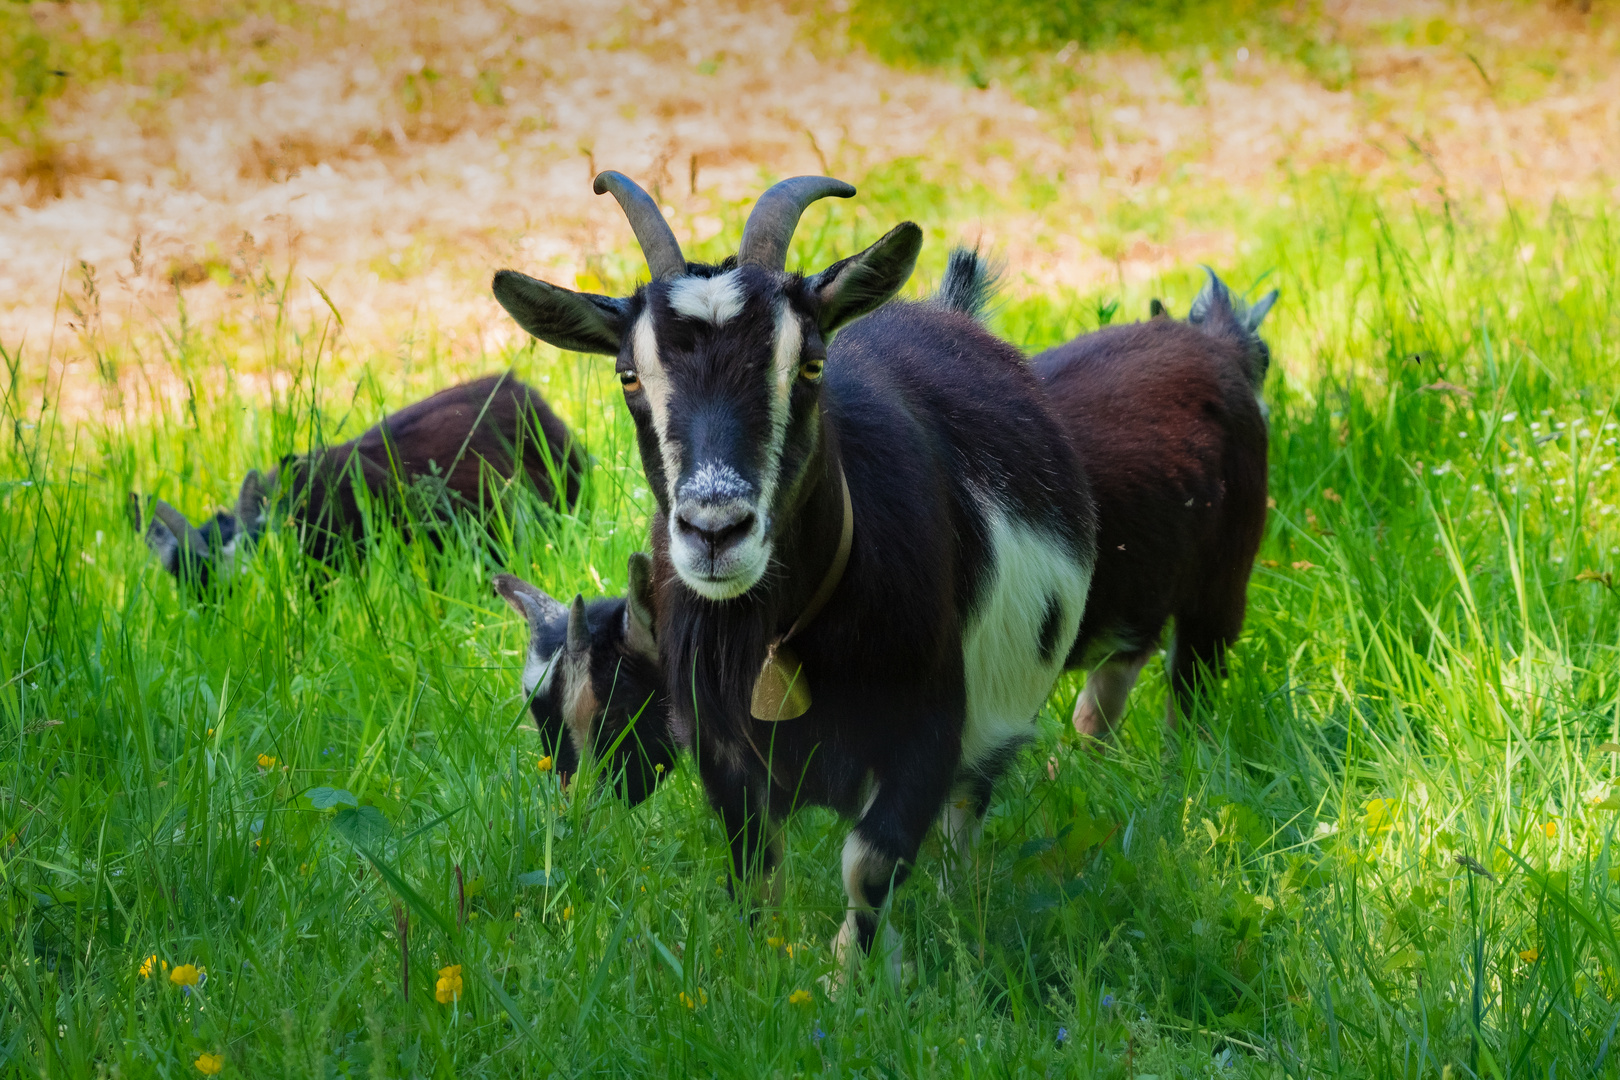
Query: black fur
[929, 416]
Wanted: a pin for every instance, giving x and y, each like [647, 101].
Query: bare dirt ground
[399, 158]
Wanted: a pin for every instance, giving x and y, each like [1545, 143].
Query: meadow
[295, 829]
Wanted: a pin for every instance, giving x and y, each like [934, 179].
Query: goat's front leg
[754, 836]
[882, 848]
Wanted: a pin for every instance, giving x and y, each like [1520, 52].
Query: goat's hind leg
[1197, 658]
[1102, 699]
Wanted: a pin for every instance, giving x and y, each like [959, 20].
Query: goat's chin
[725, 578]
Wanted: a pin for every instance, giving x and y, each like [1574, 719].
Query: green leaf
[325, 798]
[362, 826]
[549, 878]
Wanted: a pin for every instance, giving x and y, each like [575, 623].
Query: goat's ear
[1157, 310]
[250, 502]
[640, 622]
[577, 322]
[850, 288]
[528, 601]
[1257, 314]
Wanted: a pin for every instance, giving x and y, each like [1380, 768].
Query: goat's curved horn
[653, 233]
[776, 214]
[579, 631]
[183, 530]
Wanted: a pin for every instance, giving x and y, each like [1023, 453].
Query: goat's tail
[1217, 312]
[969, 285]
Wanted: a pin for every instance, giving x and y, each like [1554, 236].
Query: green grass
[1428, 675]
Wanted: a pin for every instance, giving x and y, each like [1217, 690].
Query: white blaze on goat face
[785, 358]
[716, 300]
[655, 386]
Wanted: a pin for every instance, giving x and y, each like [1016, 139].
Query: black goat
[972, 546]
[1167, 420]
[592, 679]
[1136, 483]
[438, 449]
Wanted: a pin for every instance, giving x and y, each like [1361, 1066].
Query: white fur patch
[1007, 681]
[784, 369]
[716, 482]
[860, 859]
[655, 384]
[714, 300]
[538, 672]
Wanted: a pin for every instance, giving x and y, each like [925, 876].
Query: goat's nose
[715, 527]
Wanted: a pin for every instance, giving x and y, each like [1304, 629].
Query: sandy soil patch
[398, 159]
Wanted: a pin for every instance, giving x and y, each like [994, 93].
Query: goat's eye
[810, 370]
[630, 381]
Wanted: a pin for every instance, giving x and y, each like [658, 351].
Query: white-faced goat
[452, 449]
[1167, 420]
[903, 484]
[1160, 418]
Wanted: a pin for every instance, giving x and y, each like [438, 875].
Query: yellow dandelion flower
[774, 942]
[690, 1002]
[147, 965]
[1379, 815]
[266, 761]
[1551, 829]
[1530, 955]
[799, 997]
[544, 764]
[449, 986]
[209, 1064]
[186, 975]
[568, 913]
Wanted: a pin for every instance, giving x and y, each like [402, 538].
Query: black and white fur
[974, 534]
[592, 680]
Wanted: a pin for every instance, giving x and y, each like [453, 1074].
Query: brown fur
[1165, 419]
[465, 437]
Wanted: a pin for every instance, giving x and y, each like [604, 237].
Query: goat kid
[439, 447]
[761, 435]
[592, 680]
[1167, 419]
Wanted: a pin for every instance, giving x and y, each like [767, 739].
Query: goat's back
[497, 421]
[1168, 428]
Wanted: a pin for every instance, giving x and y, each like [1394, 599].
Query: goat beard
[713, 652]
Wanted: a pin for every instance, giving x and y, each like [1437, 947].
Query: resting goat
[440, 446]
[1167, 420]
[944, 616]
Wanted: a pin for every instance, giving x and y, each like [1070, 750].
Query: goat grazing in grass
[593, 683]
[1167, 420]
[890, 520]
[448, 446]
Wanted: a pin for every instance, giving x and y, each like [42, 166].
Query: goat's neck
[808, 542]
